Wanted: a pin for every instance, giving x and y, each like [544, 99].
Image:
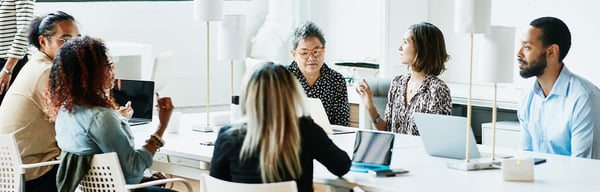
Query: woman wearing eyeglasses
[316, 78]
[424, 51]
[24, 109]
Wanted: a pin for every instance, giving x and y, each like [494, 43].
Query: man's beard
[533, 68]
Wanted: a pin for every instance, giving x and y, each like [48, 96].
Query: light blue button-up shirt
[94, 130]
[566, 122]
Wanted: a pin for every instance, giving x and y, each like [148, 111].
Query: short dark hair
[554, 31]
[430, 47]
[46, 26]
[306, 30]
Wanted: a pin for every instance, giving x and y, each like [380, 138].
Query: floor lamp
[232, 47]
[497, 58]
[207, 11]
[471, 16]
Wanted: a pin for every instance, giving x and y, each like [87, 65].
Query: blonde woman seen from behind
[275, 135]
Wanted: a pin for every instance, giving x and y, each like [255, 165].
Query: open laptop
[141, 95]
[444, 136]
[318, 114]
[372, 150]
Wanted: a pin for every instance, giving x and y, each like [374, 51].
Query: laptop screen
[140, 93]
[373, 147]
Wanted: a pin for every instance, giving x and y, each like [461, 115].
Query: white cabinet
[508, 134]
[132, 60]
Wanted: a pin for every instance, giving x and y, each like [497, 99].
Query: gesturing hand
[165, 108]
[126, 111]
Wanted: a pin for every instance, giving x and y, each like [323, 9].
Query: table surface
[427, 173]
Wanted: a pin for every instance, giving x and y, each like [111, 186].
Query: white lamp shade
[497, 58]
[208, 10]
[232, 41]
[472, 16]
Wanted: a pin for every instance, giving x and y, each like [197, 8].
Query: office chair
[211, 184]
[105, 174]
[12, 170]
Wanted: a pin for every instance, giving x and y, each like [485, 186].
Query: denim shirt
[94, 130]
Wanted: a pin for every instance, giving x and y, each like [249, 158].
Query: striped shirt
[15, 17]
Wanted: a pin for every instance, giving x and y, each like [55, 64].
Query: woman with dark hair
[316, 78]
[424, 51]
[267, 148]
[87, 120]
[23, 111]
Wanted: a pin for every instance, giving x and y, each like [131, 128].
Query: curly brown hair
[81, 75]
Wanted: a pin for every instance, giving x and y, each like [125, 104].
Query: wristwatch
[377, 119]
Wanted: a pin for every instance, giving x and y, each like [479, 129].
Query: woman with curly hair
[87, 120]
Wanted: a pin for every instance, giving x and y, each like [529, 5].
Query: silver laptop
[444, 135]
[141, 95]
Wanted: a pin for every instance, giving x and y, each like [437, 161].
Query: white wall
[165, 26]
[355, 30]
[577, 14]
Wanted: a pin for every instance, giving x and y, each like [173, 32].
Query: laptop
[444, 135]
[318, 114]
[372, 151]
[141, 95]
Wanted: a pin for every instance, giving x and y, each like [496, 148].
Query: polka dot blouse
[331, 89]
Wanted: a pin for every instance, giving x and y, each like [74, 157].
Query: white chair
[12, 169]
[105, 174]
[211, 184]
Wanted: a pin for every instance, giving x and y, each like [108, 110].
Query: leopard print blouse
[433, 96]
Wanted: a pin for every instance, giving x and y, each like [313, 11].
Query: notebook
[141, 95]
[372, 150]
[444, 135]
[318, 114]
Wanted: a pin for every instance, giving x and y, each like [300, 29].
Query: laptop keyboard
[135, 121]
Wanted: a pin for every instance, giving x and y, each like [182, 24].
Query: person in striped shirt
[15, 17]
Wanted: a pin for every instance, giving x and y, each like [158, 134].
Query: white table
[183, 155]
[133, 60]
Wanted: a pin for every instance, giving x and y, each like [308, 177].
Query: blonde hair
[272, 103]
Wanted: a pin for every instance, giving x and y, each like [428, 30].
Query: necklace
[413, 87]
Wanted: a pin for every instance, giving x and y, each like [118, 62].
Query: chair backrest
[11, 172]
[211, 184]
[105, 175]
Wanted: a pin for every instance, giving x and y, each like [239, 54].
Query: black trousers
[15, 71]
[45, 183]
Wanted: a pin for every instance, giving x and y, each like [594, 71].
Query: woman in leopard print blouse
[424, 51]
